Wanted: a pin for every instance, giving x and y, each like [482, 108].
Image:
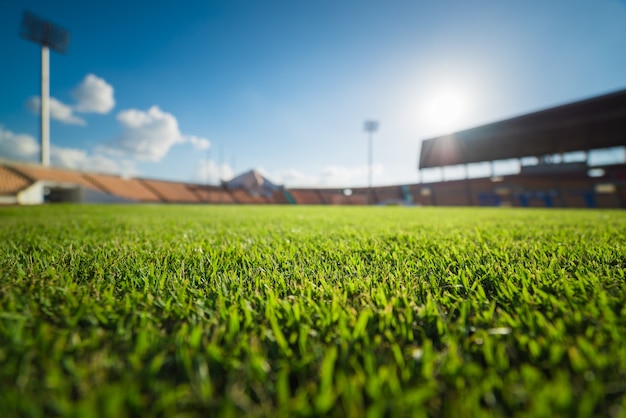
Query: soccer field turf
[287, 311]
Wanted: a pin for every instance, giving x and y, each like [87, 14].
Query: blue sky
[284, 86]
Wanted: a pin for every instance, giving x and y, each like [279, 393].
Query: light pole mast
[45, 106]
[370, 126]
[49, 36]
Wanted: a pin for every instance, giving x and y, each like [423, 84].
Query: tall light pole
[49, 36]
[220, 163]
[370, 126]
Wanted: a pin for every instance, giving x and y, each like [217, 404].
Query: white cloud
[149, 135]
[146, 135]
[344, 176]
[198, 143]
[58, 111]
[93, 95]
[208, 171]
[17, 146]
[77, 159]
[295, 178]
[26, 148]
[331, 176]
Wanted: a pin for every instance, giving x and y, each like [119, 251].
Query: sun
[446, 110]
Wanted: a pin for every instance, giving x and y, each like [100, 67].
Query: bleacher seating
[171, 192]
[617, 172]
[422, 194]
[542, 184]
[306, 197]
[341, 199]
[212, 194]
[452, 193]
[357, 196]
[243, 197]
[326, 196]
[360, 195]
[483, 193]
[279, 197]
[534, 191]
[132, 189]
[261, 200]
[39, 173]
[525, 190]
[621, 194]
[537, 199]
[11, 182]
[577, 193]
[607, 200]
[388, 194]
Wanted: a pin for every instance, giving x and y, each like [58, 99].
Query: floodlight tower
[370, 126]
[49, 36]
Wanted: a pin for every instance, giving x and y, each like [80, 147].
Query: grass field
[287, 311]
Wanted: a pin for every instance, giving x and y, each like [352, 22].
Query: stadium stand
[422, 194]
[306, 196]
[599, 122]
[482, 193]
[340, 198]
[389, 194]
[606, 196]
[529, 191]
[282, 197]
[241, 196]
[587, 125]
[39, 173]
[132, 189]
[577, 193]
[564, 190]
[621, 194]
[360, 195]
[212, 194]
[452, 193]
[617, 173]
[11, 182]
[326, 195]
[336, 196]
[46, 184]
[170, 191]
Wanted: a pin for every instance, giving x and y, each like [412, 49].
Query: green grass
[288, 311]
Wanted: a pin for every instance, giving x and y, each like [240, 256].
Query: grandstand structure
[33, 184]
[544, 136]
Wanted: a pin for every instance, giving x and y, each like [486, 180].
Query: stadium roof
[599, 122]
[250, 180]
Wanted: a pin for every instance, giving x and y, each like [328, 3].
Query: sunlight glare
[447, 110]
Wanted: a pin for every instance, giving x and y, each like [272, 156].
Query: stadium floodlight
[49, 36]
[370, 126]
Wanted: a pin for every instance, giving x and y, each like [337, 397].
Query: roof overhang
[599, 122]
